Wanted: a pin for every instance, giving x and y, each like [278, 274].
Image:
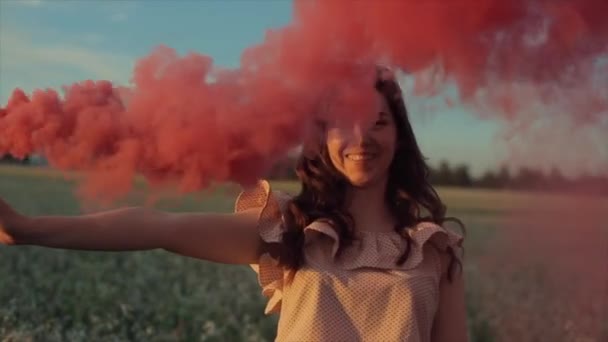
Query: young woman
[360, 254]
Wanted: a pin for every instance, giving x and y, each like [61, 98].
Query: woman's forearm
[125, 229]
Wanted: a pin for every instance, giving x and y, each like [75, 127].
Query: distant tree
[444, 174]
[488, 180]
[461, 177]
[589, 184]
[529, 179]
[284, 169]
[432, 175]
[556, 181]
[503, 178]
[9, 159]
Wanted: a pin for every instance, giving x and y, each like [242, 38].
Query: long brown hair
[323, 191]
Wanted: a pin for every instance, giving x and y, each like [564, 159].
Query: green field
[533, 273]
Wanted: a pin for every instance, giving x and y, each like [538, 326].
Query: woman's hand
[10, 221]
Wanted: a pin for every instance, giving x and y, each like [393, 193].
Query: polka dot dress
[363, 295]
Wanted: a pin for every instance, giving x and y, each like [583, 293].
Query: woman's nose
[359, 132]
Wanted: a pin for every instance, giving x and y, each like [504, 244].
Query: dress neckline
[371, 232]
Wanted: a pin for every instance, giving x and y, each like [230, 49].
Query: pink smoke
[184, 120]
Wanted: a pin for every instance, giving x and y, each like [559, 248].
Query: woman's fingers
[7, 215]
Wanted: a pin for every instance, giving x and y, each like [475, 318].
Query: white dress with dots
[363, 295]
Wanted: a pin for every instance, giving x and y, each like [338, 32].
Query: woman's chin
[364, 180]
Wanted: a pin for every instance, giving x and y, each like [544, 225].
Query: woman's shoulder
[442, 234]
[262, 196]
[441, 240]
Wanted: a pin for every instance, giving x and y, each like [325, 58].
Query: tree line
[8, 159]
[524, 178]
[458, 176]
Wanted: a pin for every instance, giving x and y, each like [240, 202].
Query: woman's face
[363, 152]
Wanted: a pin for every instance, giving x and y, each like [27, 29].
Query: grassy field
[535, 271]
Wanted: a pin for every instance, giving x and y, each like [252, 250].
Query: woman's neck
[368, 207]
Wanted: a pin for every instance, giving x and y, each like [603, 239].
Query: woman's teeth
[359, 156]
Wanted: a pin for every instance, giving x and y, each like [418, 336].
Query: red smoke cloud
[185, 120]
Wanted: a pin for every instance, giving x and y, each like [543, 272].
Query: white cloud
[27, 63]
[120, 11]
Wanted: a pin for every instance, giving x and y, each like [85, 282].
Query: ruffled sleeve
[270, 205]
[441, 238]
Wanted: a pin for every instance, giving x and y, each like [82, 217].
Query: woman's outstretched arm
[223, 238]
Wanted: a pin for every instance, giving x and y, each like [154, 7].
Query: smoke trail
[184, 120]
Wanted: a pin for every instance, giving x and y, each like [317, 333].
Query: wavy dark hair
[323, 191]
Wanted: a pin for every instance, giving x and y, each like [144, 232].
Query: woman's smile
[361, 156]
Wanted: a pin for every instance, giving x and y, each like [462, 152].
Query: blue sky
[49, 43]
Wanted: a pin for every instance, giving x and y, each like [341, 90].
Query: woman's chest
[316, 286]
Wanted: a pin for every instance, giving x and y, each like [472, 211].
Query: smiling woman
[359, 254]
[366, 208]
